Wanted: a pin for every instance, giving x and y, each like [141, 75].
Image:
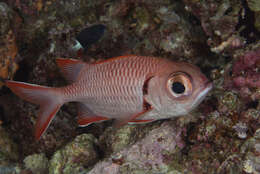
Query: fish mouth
[202, 94]
[208, 87]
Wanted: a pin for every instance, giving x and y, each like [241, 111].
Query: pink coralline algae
[246, 70]
[153, 153]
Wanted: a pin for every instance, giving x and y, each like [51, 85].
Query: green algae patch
[75, 157]
[37, 163]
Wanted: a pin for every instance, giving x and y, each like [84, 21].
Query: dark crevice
[206, 70]
[2, 115]
[4, 90]
[190, 128]
[228, 11]
[248, 21]
[23, 72]
[253, 104]
[194, 20]
[100, 152]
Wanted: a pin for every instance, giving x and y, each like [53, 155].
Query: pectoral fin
[86, 116]
[148, 111]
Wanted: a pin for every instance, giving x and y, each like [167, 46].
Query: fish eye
[179, 84]
[178, 87]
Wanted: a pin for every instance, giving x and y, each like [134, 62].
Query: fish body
[127, 88]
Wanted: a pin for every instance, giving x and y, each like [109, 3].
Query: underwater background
[220, 36]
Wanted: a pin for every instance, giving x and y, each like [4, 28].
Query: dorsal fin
[70, 68]
[115, 58]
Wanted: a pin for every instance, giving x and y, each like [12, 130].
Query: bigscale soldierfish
[127, 89]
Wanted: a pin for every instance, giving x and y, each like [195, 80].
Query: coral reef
[75, 156]
[8, 154]
[115, 140]
[221, 37]
[155, 153]
[218, 18]
[8, 149]
[8, 49]
[37, 163]
[254, 5]
[245, 70]
[251, 149]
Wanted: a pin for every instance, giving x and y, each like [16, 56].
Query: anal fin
[136, 121]
[121, 122]
[85, 121]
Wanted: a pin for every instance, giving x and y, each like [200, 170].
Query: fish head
[177, 89]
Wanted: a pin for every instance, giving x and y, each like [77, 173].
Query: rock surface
[8, 46]
[75, 157]
[37, 163]
[155, 153]
[8, 149]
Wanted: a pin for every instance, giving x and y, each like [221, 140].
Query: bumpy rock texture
[251, 149]
[254, 5]
[8, 46]
[221, 37]
[36, 163]
[8, 149]
[8, 154]
[75, 157]
[153, 154]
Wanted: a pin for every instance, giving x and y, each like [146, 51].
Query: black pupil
[178, 88]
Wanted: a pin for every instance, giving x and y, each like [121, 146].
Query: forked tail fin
[49, 99]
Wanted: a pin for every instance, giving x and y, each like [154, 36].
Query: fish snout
[208, 85]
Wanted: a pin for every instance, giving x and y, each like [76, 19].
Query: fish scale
[113, 95]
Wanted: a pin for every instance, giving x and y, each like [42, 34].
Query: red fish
[127, 88]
